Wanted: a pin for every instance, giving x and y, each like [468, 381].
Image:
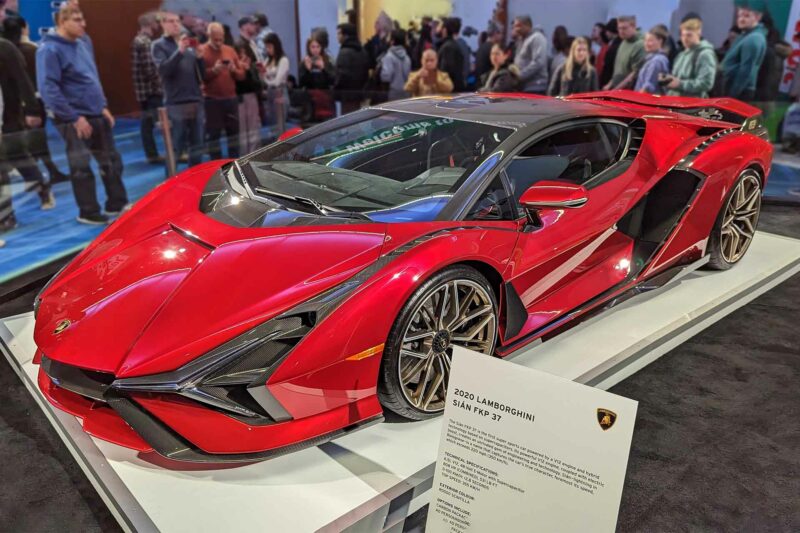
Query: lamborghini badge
[606, 418]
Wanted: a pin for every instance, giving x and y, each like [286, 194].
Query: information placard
[523, 450]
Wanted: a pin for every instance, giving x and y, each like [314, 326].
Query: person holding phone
[276, 73]
[181, 68]
[222, 71]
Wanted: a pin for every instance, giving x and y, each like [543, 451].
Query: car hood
[146, 300]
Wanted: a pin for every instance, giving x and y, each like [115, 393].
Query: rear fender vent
[636, 129]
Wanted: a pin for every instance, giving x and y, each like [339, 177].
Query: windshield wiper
[320, 208]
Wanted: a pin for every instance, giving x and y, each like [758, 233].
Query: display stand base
[373, 479]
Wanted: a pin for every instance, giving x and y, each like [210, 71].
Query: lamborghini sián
[247, 308]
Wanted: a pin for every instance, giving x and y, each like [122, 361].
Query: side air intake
[636, 128]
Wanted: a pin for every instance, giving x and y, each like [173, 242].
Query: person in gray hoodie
[695, 67]
[531, 55]
[396, 66]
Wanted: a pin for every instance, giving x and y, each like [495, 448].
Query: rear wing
[729, 110]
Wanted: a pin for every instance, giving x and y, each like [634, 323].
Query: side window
[494, 204]
[574, 154]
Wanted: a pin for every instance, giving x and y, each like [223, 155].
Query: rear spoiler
[747, 117]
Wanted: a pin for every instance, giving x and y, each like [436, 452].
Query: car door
[566, 256]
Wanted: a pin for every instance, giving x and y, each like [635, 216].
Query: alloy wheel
[741, 218]
[458, 312]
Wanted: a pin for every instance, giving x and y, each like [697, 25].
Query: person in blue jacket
[741, 63]
[656, 63]
[70, 88]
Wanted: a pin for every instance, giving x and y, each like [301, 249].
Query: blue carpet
[44, 236]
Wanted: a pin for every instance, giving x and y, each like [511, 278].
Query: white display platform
[371, 480]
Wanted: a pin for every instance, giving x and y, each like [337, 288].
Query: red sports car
[248, 308]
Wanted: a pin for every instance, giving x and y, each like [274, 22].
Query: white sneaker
[126, 207]
[49, 203]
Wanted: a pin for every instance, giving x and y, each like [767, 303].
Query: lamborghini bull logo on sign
[606, 418]
[61, 326]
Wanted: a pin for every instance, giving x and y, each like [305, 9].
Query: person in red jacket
[222, 71]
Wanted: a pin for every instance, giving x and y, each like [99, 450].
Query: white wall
[717, 18]
[475, 13]
[578, 16]
[648, 13]
[317, 13]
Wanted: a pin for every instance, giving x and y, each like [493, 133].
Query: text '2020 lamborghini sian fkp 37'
[247, 308]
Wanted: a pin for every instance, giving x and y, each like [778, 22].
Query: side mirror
[288, 134]
[554, 195]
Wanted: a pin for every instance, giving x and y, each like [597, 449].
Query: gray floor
[716, 446]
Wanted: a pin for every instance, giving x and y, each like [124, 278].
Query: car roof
[515, 110]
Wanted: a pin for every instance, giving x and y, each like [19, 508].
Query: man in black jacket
[352, 68]
[451, 59]
[20, 111]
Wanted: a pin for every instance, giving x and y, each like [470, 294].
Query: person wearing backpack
[695, 67]
[395, 66]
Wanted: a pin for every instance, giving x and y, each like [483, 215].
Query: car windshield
[375, 164]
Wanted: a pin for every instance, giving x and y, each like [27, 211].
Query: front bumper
[181, 429]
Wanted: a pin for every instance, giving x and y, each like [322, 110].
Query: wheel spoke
[417, 336]
[427, 317]
[740, 198]
[412, 370]
[750, 201]
[746, 229]
[437, 380]
[473, 331]
[412, 353]
[442, 306]
[475, 314]
[423, 382]
[455, 306]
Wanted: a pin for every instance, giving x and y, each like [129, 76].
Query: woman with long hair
[576, 75]
[504, 76]
[316, 70]
[317, 75]
[276, 74]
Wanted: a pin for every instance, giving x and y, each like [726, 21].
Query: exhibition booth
[449, 313]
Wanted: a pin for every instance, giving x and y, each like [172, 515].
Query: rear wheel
[736, 224]
[457, 306]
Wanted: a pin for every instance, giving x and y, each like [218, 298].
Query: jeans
[14, 154]
[79, 153]
[149, 118]
[249, 123]
[188, 126]
[222, 115]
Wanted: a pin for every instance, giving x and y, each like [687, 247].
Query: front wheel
[457, 306]
[736, 223]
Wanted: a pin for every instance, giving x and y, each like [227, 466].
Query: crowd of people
[219, 85]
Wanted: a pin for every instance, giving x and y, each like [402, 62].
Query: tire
[736, 222]
[436, 331]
